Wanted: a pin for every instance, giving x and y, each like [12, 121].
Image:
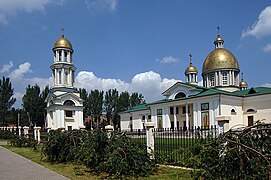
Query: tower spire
[190, 55]
[219, 41]
[218, 30]
[62, 29]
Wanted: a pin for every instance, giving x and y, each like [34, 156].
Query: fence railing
[176, 146]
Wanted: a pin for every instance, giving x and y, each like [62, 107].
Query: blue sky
[130, 45]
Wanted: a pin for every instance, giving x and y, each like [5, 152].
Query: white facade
[64, 105]
[222, 101]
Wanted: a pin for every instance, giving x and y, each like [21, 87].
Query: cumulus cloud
[101, 5]
[167, 59]
[150, 84]
[262, 26]
[19, 73]
[6, 67]
[11, 7]
[267, 48]
[266, 85]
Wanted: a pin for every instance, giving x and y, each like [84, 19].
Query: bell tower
[63, 69]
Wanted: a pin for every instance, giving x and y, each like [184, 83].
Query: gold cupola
[63, 43]
[191, 72]
[220, 68]
[243, 84]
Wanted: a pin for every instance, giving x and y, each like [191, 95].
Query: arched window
[251, 110]
[180, 95]
[233, 112]
[224, 78]
[212, 80]
[69, 103]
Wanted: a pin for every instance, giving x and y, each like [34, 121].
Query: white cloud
[6, 67]
[266, 85]
[11, 7]
[150, 84]
[100, 5]
[267, 48]
[19, 73]
[262, 26]
[167, 59]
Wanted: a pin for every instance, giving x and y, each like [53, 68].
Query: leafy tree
[135, 99]
[84, 95]
[6, 99]
[33, 103]
[110, 103]
[95, 104]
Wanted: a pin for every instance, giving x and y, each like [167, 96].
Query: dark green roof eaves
[139, 107]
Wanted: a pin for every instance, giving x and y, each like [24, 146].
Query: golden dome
[191, 69]
[243, 84]
[63, 43]
[219, 39]
[219, 58]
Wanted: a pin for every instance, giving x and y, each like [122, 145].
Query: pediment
[180, 87]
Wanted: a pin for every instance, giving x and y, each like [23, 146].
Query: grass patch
[73, 171]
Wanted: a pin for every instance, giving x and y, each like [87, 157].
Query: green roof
[253, 91]
[139, 107]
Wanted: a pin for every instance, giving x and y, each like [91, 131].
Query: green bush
[21, 141]
[4, 134]
[92, 151]
[123, 157]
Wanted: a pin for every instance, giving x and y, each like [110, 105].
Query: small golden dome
[219, 39]
[191, 69]
[63, 43]
[219, 58]
[243, 84]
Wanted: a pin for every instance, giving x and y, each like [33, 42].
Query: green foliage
[6, 99]
[118, 156]
[4, 134]
[21, 141]
[238, 154]
[126, 157]
[92, 150]
[60, 146]
[34, 104]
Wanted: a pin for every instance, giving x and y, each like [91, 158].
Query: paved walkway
[14, 166]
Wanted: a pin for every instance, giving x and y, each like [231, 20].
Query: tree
[136, 99]
[84, 95]
[110, 103]
[6, 99]
[95, 104]
[33, 103]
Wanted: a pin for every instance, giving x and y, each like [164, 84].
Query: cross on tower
[62, 29]
[218, 29]
[190, 55]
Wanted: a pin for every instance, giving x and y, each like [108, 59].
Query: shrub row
[4, 134]
[118, 155]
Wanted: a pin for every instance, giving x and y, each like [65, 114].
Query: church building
[64, 105]
[223, 100]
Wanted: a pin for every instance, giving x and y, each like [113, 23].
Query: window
[59, 77]
[159, 112]
[177, 110]
[212, 80]
[251, 110]
[233, 112]
[68, 113]
[66, 76]
[69, 128]
[184, 109]
[65, 56]
[205, 115]
[69, 103]
[149, 116]
[171, 110]
[180, 95]
[143, 117]
[224, 78]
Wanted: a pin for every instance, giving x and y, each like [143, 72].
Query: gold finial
[190, 55]
[62, 29]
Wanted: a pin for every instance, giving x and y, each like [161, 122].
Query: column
[186, 116]
[55, 78]
[195, 114]
[70, 77]
[35, 133]
[230, 78]
[62, 75]
[220, 79]
[207, 81]
[19, 130]
[62, 55]
[199, 115]
[57, 56]
[26, 131]
[62, 119]
[175, 117]
[150, 138]
[69, 57]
